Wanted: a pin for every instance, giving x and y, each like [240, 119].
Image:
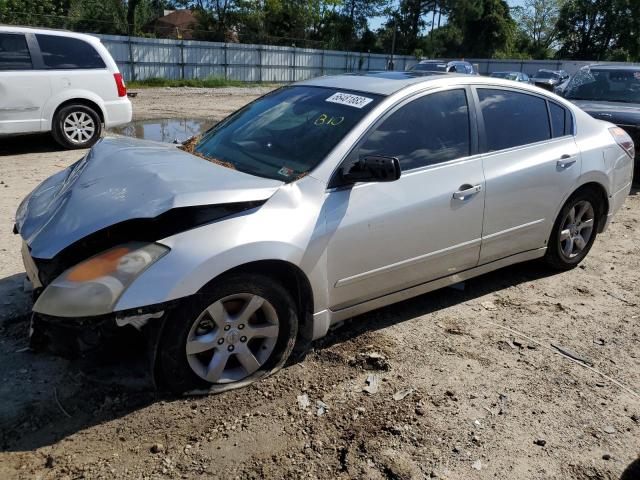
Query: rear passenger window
[559, 117]
[432, 129]
[14, 53]
[67, 53]
[512, 119]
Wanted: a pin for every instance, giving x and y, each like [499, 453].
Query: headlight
[93, 286]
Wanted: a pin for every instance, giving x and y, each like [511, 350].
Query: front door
[385, 237]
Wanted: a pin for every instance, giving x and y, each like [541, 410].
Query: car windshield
[430, 67]
[286, 133]
[507, 75]
[605, 85]
[546, 75]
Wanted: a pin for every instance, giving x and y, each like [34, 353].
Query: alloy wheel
[78, 127]
[577, 229]
[232, 338]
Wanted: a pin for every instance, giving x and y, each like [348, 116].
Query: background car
[62, 82]
[515, 76]
[324, 199]
[455, 66]
[548, 79]
[610, 93]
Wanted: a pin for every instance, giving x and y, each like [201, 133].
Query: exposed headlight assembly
[93, 286]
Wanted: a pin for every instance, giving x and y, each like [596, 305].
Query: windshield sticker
[349, 99]
[285, 171]
[325, 119]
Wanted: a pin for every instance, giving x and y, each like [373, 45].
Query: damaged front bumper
[72, 337]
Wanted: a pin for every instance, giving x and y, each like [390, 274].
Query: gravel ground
[469, 385]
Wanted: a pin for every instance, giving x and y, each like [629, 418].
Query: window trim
[482, 128]
[31, 56]
[473, 132]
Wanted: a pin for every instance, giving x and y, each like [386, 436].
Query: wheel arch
[601, 192]
[292, 278]
[80, 101]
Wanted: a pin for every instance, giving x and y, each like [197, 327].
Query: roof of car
[48, 31]
[381, 83]
[612, 67]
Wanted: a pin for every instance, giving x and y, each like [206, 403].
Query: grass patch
[211, 82]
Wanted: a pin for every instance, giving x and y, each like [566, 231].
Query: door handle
[466, 190]
[565, 162]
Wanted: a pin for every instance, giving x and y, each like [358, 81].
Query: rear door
[385, 237]
[531, 162]
[23, 89]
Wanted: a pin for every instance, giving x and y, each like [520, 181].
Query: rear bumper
[117, 112]
[615, 202]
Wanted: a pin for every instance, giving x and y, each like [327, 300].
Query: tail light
[122, 88]
[623, 139]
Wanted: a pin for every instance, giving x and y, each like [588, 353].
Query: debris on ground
[372, 361]
[372, 384]
[321, 408]
[402, 394]
[303, 401]
[565, 351]
[477, 465]
[541, 442]
[489, 305]
[610, 429]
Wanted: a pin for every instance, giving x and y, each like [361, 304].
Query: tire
[198, 332]
[76, 126]
[564, 250]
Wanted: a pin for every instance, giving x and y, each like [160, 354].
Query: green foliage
[211, 82]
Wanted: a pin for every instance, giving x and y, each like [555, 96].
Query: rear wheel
[575, 231]
[76, 126]
[233, 333]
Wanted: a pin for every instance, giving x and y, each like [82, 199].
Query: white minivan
[58, 81]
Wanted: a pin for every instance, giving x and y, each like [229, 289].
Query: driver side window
[429, 130]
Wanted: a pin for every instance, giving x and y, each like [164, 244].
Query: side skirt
[348, 312]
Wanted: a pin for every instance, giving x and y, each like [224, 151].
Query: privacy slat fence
[140, 58]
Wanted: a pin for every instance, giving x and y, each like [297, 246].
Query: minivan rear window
[14, 53]
[63, 53]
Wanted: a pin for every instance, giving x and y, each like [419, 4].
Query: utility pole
[391, 65]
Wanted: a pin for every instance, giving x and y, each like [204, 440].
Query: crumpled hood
[614, 112]
[122, 179]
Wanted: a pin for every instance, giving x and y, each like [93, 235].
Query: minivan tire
[556, 256]
[173, 371]
[87, 121]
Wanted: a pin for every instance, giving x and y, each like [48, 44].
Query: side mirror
[372, 169]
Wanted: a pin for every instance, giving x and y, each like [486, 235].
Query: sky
[376, 22]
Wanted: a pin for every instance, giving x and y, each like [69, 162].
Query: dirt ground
[470, 386]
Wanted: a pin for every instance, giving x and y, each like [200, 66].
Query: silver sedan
[315, 203]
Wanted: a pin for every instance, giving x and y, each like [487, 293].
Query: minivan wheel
[76, 126]
[574, 232]
[233, 333]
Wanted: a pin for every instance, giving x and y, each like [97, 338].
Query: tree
[600, 29]
[537, 20]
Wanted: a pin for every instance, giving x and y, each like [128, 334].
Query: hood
[614, 112]
[123, 179]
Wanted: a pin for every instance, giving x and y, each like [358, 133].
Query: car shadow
[45, 398]
[28, 143]
[632, 472]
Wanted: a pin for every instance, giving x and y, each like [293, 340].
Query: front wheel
[574, 232]
[76, 126]
[233, 333]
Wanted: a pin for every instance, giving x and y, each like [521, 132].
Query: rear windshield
[286, 133]
[545, 75]
[430, 67]
[507, 75]
[605, 85]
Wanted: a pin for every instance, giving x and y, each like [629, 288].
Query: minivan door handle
[466, 190]
[565, 162]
